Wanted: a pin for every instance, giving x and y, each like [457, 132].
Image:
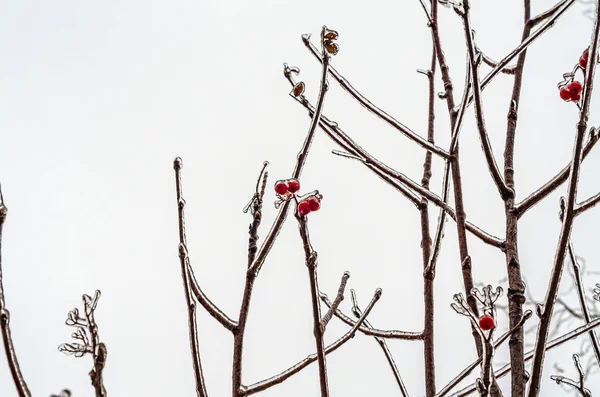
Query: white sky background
[97, 98]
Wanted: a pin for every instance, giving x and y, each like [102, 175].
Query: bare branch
[371, 107]
[555, 182]
[279, 378]
[336, 302]
[369, 330]
[505, 192]
[490, 62]
[465, 372]
[569, 215]
[382, 343]
[546, 14]
[9, 348]
[529, 355]
[185, 264]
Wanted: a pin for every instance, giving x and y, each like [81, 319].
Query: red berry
[293, 185]
[575, 88]
[575, 97]
[486, 323]
[565, 94]
[583, 62]
[281, 187]
[304, 208]
[314, 204]
[586, 54]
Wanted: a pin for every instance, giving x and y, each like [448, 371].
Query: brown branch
[336, 302]
[279, 378]
[311, 263]
[382, 343]
[301, 160]
[564, 6]
[569, 215]
[587, 204]
[371, 107]
[465, 372]
[439, 234]
[207, 304]
[9, 348]
[254, 268]
[428, 277]
[581, 389]
[516, 286]
[369, 330]
[501, 372]
[185, 264]
[332, 130]
[490, 62]
[505, 192]
[532, 22]
[555, 182]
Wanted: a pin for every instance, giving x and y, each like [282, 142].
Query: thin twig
[564, 6]
[569, 215]
[545, 15]
[336, 302]
[9, 348]
[185, 264]
[369, 330]
[207, 304]
[465, 372]
[339, 136]
[542, 192]
[382, 343]
[490, 62]
[279, 378]
[505, 192]
[501, 372]
[371, 107]
[577, 276]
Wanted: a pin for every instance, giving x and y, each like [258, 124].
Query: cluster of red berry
[570, 89]
[288, 187]
[487, 323]
[310, 204]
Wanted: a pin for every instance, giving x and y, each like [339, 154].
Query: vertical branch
[456, 174]
[185, 265]
[516, 286]
[428, 277]
[9, 348]
[569, 214]
[327, 37]
[311, 263]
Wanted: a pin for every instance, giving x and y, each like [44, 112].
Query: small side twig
[88, 341]
[579, 386]
[382, 343]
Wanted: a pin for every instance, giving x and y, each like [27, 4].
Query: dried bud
[298, 89]
[331, 47]
[331, 34]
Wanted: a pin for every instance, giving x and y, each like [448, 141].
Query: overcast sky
[96, 100]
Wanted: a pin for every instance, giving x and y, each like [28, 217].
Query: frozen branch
[555, 182]
[336, 302]
[580, 387]
[569, 215]
[279, 378]
[383, 344]
[9, 347]
[371, 107]
[185, 273]
[88, 341]
[369, 330]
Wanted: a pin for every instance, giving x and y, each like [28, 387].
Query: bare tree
[479, 305]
